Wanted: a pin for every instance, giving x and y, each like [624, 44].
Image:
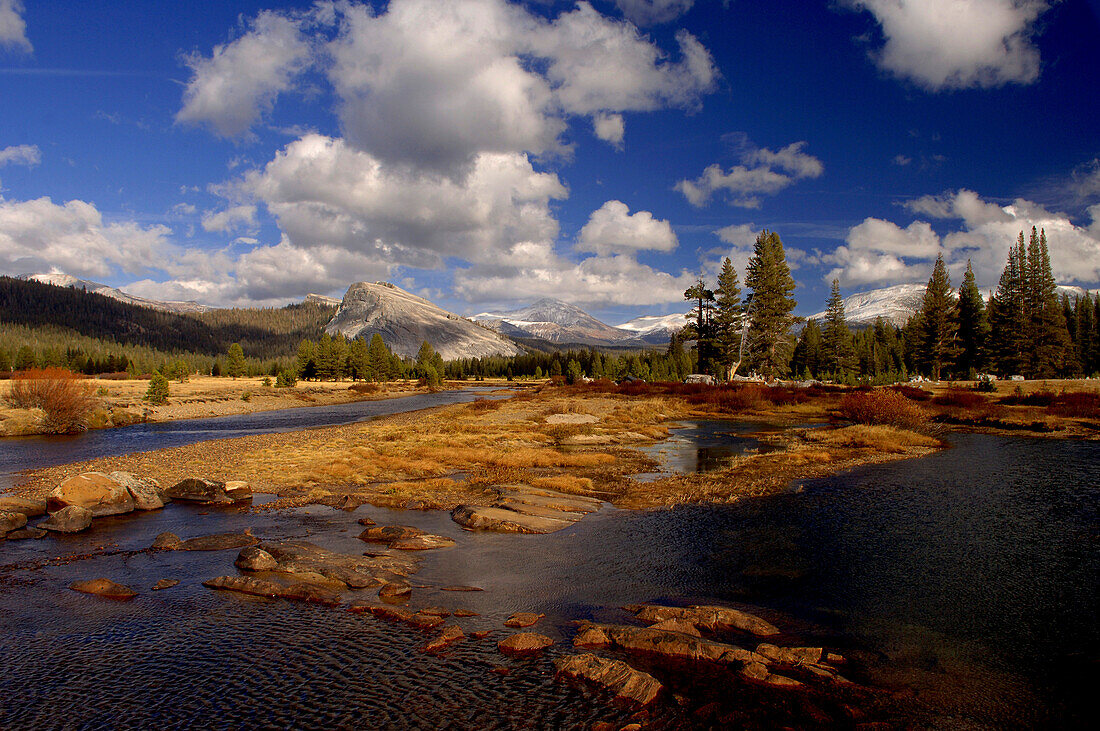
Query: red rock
[523, 619]
[524, 643]
[104, 588]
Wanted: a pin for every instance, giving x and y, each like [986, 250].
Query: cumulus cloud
[233, 88]
[957, 44]
[231, 218]
[28, 155]
[13, 29]
[40, 235]
[741, 239]
[612, 229]
[610, 128]
[653, 12]
[878, 251]
[762, 172]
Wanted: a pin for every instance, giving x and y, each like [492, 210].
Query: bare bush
[63, 395]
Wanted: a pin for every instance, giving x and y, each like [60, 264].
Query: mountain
[897, 304]
[405, 321]
[553, 320]
[655, 329]
[66, 280]
[320, 299]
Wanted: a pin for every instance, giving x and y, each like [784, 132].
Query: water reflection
[702, 446]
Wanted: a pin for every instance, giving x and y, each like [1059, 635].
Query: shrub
[912, 392]
[364, 387]
[266, 382]
[484, 404]
[887, 407]
[960, 397]
[1079, 404]
[1038, 398]
[246, 396]
[64, 396]
[985, 384]
[286, 379]
[158, 389]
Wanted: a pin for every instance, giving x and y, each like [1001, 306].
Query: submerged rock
[199, 490]
[145, 492]
[72, 519]
[524, 643]
[358, 572]
[505, 521]
[11, 522]
[298, 591]
[24, 533]
[395, 592]
[422, 542]
[217, 542]
[166, 541]
[388, 533]
[165, 584]
[522, 619]
[665, 643]
[624, 681]
[104, 588]
[449, 635]
[95, 491]
[707, 617]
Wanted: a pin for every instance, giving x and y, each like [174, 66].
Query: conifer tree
[378, 358]
[1050, 338]
[1008, 315]
[770, 318]
[701, 327]
[727, 319]
[837, 338]
[938, 326]
[973, 325]
[807, 357]
[234, 367]
[307, 360]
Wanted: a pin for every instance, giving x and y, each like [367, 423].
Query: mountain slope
[655, 329]
[405, 321]
[66, 280]
[553, 320]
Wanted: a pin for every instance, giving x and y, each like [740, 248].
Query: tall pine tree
[973, 325]
[937, 329]
[727, 319]
[1050, 338]
[701, 324]
[837, 338]
[1008, 315]
[770, 318]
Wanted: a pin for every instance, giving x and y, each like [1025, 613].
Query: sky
[485, 153]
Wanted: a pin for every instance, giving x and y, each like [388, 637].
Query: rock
[198, 490]
[790, 655]
[425, 621]
[25, 533]
[536, 510]
[665, 643]
[524, 643]
[365, 521]
[104, 588]
[166, 541]
[11, 522]
[94, 491]
[216, 542]
[303, 592]
[422, 542]
[437, 611]
[678, 625]
[145, 492]
[480, 635]
[624, 681]
[358, 572]
[759, 672]
[255, 559]
[72, 519]
[165, 584]
[834, 658]
[299, 591]
[571, 419]
[464, 613]
[461, 588]
[392, 614]
[388, 533]
[26, 506]
[394, 593]
[708, 617]
[548, 499]
[505, 521]
[523, 619]
[449, 635]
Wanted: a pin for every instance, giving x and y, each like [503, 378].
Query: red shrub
[912, 392]
[887, 407]
[1078, 404]
[960, 397]
[1038, 398]
[63, 395]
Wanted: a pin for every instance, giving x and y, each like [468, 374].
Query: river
[966, 581]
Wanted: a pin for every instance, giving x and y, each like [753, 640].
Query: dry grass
[565, 483]
[65, 398]
[878, 438]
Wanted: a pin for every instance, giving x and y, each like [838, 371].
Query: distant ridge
[553, 320]
[59, 279]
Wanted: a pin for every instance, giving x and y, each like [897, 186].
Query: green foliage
[158, 389]
[266, 382]
[973, 324]
[727, 320]
[836, 340]
[235, 366]
[937, 323]
[771, 308]
[286, 379]
[573, 372]
[985, 384]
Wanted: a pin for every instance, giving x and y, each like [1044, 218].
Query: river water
[966, 582]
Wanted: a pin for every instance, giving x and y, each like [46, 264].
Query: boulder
[72, 519]
[519, 506]
[198, 490]
[255, 559]
[388, 533]
[145, 492]
[395, 592]
[365, 521]
[524, 643]
[25, 533]
[549, 499]
[625, 682]
[505, 521]
[104, 588]
[708, 617]
[449, 635]
[664, 643]
[94, 491]
[357, 572]
[238, 490]
[11, 522]
[298, 591]
[26, 506]
[422, 542]
[523, 619]
[165, 584]
[166, 541]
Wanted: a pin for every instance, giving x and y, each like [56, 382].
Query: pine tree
[973, 325]
[807, 357]
[837, 338]
[938, 326]
[235, 365]
[701, 327]
[769, 312]
[1050, 338]
[307, 360]
[727, 319]
[378, 358]
[1008, 315]
[358, 366]
[425, 356]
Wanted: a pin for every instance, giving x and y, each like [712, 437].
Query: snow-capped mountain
[66, 280]
[656, 329]
[553, 320]
[405, 321]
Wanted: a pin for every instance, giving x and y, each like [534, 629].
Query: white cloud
[878, 251]
[610, 128]
[764, 172]
[239, 82]
[13, 29]
[612, 229]
[229, 219]
[653, 12]
[28, 155]
[902, 160]
[39, 235]
[958, 44]
[742, 239]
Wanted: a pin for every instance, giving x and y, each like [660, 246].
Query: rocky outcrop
[707, 617]
[626, 683]
[145, 492]
[26, 506]
[95, 491]
[523, 619]
[72, 519]
[299, 591]
[216, 542]
[357, 572]
[505, 521]
[199, 490]
[524, 643]
[405, 321]
[104, 588]
[405, 538]
[10, 522]
[255, 559]
[664, 643]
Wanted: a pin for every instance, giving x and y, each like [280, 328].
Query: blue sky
[486, 153]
